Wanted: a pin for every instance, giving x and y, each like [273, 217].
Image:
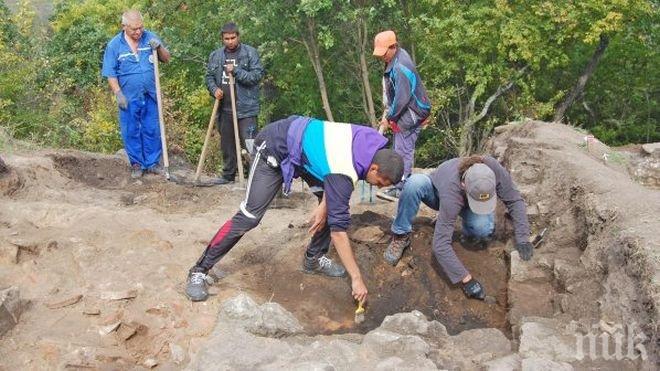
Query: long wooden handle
[202, 157]
[159, 100]
[239, 162]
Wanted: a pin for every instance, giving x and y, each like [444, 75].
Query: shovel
[239, 163]
[163, 138]
[209, 131]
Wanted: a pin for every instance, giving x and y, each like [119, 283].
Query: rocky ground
[92, 265]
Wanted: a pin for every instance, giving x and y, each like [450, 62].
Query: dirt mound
[98, 172]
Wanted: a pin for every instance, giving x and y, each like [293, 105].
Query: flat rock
[526, 271]
[651, 148]
[540, 364]
[547, 338]
[398, 364]
[177, 353]
[64, 302]
[488, 342]
[385, 343]
[91, 310]
[413, 323]
[118, 295]
[268, 319]
[126, 331]
[150, 363]
[104, 330]
[10, 308]
[506, 363]
[529, 299]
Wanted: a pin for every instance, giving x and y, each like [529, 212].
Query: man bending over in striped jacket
[330, 157]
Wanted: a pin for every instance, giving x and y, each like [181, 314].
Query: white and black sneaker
[196, 289]
[323, 265]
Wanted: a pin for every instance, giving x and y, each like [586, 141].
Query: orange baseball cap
[383, 41]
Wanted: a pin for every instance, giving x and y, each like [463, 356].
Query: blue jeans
[419, 188]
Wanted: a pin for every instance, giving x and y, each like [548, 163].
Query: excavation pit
[323, 305]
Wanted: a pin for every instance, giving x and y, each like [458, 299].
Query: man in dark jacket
[330, 157]
[469, 187]
[242, 61]
[407, 105]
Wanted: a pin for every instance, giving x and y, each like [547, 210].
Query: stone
[540, 364]
[413, 323]
[385, 343]
[118, 295]
[547, 338]
[126, 331]
[398, 364]
[543, 207]
[150, 363]
[269, 319]
[526, 271]
[275, 322]
[104, 330]
[564, 272]
[64, 302]
[177, 353]
[8, 253]
[240, 307]
[529, 299]
[122, 154]
[651, 148]
[482, 343]
[91, 310]
[506, 363]
[10, 308]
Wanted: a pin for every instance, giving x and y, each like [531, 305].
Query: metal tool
[536, 242]
[159, 99]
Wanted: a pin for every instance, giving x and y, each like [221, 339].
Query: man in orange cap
[406, 103]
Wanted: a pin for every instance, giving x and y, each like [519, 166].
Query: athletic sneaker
[323, 265]
[196, 285]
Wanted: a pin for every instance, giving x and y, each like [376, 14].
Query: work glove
[474, 290]
[525, 249]
[121, 100]
[154, 44]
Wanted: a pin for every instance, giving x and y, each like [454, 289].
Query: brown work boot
[396, 247]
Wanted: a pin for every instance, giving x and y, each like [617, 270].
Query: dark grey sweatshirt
[452, 200]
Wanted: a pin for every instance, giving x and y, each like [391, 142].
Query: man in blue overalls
[128, 64]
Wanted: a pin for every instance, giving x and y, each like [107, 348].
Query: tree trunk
[313, 51]
[467, 130]
[364, 71]
[582, 81]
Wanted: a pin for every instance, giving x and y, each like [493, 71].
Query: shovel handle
[209, 131]
[239, 163]
[161, 121]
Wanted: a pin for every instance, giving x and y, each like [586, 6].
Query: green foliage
[51, 90]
